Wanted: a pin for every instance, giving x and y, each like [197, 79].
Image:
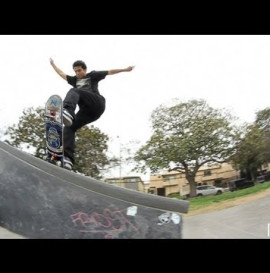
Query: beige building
[168, 183]
[129, 182]
[175, 182]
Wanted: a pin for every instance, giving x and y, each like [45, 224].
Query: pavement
[67, 205]
[246, 221]
[6, 234]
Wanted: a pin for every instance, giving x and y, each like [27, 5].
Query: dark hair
[80, 63]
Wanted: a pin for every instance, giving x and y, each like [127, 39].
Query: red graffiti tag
[109, 222]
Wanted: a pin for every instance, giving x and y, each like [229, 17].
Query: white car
[209, 190]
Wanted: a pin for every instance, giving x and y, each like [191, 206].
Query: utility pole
[120, 158]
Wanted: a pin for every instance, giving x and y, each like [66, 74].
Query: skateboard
[53, 117]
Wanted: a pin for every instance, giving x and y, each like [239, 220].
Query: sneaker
[67, 164]
[67, 118]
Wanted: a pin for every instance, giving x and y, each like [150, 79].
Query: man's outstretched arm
[58, 70]
[115, 71]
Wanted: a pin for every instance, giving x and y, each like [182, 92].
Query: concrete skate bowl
[39, 200]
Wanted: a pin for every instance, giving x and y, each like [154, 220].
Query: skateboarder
[86, 95]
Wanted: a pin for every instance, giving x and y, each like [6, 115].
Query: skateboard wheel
[59, 163]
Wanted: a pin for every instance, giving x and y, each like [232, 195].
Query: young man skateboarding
[86, 95]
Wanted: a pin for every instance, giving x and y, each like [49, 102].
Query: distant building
[168, 183]
[129, 182]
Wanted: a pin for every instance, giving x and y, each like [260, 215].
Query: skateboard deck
[54, 129]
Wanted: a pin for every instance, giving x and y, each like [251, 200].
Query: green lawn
[199, 202]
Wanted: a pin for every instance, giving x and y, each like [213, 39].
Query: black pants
[91, 107]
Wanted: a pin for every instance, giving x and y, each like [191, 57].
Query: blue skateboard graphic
[54, 129]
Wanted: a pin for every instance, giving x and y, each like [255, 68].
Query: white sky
[231, 71]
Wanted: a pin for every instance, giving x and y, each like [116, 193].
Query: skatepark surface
[246, 221]
[31, 207]
[41, 200]
[6, 234]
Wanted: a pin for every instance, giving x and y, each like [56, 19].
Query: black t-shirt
[89, 82]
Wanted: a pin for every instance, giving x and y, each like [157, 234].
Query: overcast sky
[228, 71]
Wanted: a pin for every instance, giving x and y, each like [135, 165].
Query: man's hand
[130, 68]
[57, 70]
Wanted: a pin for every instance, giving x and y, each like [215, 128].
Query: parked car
[209, 190]
[239, 184]
[263, 178]
[260, 179]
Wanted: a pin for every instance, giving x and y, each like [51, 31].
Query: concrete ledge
[40, 200]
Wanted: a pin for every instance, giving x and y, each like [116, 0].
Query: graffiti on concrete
[109, 222]
[168, 217]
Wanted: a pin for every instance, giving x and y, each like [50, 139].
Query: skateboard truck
[49, 116]
[54, 157]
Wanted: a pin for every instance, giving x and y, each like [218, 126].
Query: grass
[200, 202]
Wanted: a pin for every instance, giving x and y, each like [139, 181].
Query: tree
[91, 143]
[90, 153]
[251, 152]
[185, 137]
[253, 149]
[263, 122]
[263, 119]
[29, 133]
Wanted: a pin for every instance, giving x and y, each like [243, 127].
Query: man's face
[79, 71]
